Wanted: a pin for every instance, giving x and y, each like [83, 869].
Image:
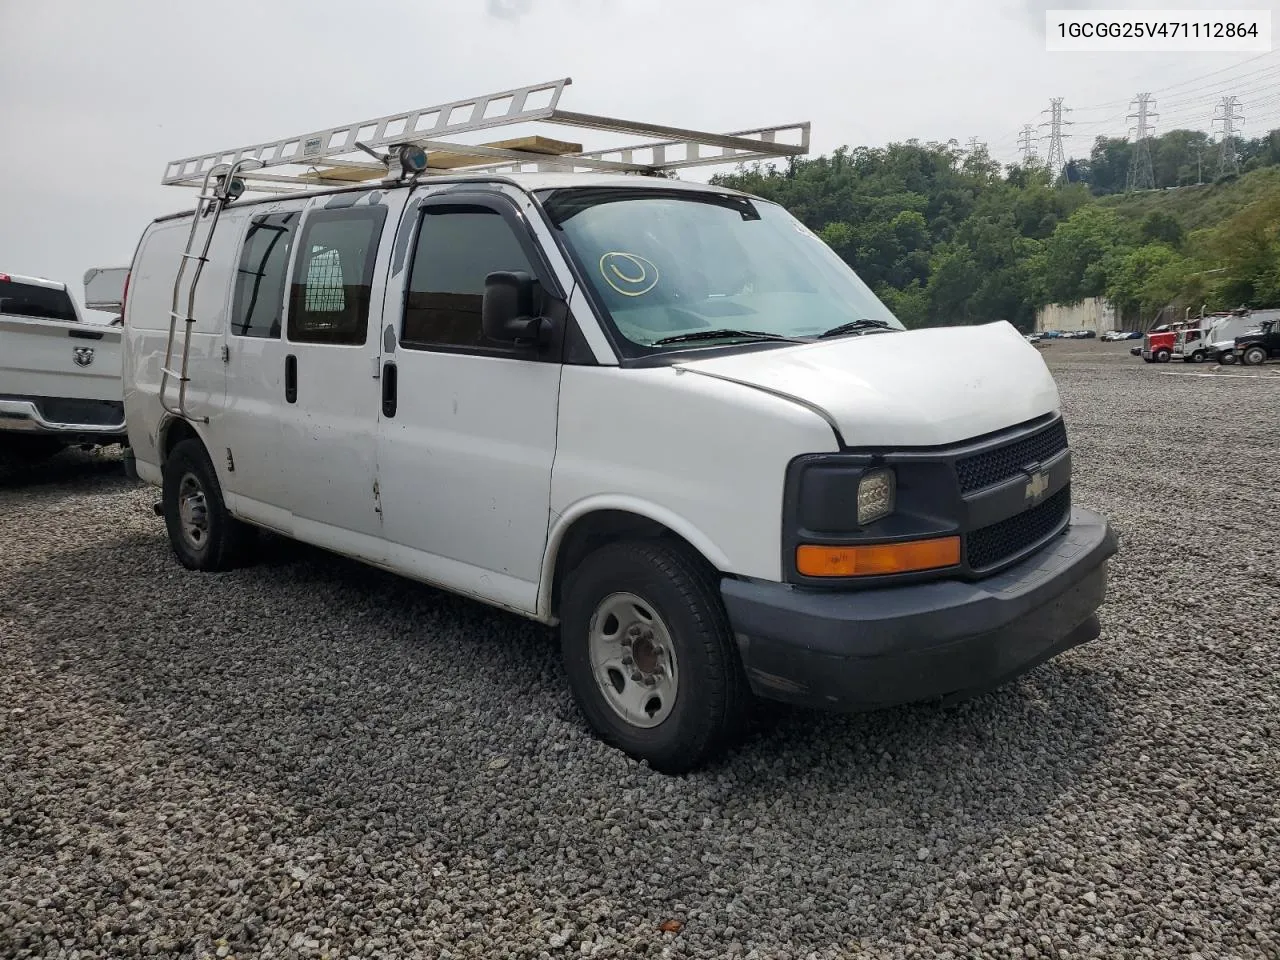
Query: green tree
[1073, 262]
[1160, 227]
[1247, 247]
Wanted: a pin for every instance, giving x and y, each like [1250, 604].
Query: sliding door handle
[389, 389]
[291, 378]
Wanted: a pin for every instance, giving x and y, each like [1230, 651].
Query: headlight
[876, 492]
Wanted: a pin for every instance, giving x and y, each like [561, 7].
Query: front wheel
[650, 656]
[1254, 356]
[203, 533]
[1198, 357]
[1162, 356]
[1226, 356]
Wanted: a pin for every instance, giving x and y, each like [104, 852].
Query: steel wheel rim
[633, 660]
[193, 512]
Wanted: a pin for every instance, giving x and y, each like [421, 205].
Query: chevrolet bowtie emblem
[1037, 485]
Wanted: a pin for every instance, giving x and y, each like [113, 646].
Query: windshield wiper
[853, 326]
[721, 334]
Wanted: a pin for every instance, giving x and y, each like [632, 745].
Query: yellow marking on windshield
[609, 269]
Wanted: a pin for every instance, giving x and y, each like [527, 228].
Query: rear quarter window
[19, 299]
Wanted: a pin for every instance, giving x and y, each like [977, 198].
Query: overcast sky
[96, 96]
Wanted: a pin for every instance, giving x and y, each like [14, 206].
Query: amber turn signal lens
[813, 560]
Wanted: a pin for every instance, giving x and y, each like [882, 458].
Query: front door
[329, 373]
[465, 455]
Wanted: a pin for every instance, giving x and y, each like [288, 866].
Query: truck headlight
[876, 491]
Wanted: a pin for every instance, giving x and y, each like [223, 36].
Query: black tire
[1253, 356]
[1162, 355]
[712, 698]
[225, 542]
[1227, 357]
[1198, 357]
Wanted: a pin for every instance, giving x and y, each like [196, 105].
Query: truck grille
[990, 545]
[990, 467]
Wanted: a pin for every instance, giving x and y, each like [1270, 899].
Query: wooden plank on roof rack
[452, 159]
[349, 174]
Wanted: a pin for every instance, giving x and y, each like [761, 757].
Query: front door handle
[291, 378]
[389, 389]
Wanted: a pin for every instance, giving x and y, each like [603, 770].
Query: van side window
[333, 275]
[456, 250]
[260, 278]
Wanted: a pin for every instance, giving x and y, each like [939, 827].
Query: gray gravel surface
[309, 758]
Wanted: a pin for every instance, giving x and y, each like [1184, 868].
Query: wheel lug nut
[635, 675]
[627, 661]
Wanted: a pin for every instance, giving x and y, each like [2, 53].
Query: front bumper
[861, 650]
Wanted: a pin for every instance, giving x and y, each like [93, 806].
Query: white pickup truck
[60, 379]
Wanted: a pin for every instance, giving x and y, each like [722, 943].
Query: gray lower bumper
[864, 649]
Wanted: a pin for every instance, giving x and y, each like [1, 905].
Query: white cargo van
[661, 415]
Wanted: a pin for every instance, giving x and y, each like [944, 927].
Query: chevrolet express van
[661, 416]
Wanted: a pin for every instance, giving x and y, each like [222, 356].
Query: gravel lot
[309, 758]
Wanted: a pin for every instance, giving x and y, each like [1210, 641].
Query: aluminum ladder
[219, 188]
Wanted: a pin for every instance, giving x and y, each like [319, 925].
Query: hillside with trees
[947, 237]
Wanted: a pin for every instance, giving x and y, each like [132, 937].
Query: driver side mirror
[507, 312]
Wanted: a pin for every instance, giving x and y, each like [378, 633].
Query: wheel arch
[172, 432]
[592, 523]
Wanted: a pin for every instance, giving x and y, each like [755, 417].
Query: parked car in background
[59, 374]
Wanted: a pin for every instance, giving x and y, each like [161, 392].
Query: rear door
[329, 371]
[252, 420]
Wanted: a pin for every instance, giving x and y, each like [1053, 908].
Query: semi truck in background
[1214, 335]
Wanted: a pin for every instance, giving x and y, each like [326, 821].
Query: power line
[1141, 176]
[1191, 81]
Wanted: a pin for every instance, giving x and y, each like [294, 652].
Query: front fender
[637, 506]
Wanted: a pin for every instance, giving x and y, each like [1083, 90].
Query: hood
[914, 388]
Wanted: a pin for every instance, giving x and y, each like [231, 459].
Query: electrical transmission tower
[1027, 143]
[975, 145]
[1057, 161]
[1141, 176]
[1228, 117]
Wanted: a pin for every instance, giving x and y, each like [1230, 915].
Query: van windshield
[678, 270]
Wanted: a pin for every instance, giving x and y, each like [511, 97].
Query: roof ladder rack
[420, 143]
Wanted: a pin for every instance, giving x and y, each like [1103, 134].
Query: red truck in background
[1157, 343]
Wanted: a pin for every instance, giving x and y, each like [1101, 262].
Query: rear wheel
[1254, 356]
[649, 654]
[203, 533]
